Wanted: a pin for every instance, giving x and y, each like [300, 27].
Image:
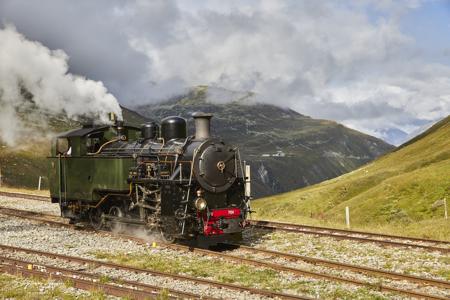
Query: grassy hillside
[395, 193]
[21, 166]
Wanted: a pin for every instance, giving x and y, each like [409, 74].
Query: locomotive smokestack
[202, 125]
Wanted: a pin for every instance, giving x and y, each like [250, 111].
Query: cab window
[94, 142]
[63, 146]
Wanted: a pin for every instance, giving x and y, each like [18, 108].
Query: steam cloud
[35, 82]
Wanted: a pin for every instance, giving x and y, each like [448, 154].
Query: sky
[381, 67]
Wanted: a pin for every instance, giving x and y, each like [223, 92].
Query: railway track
[325, 276]
[50, 219]
[344, 266]
[25, 196]
[360, 236]
[101, 264]
[87, 281]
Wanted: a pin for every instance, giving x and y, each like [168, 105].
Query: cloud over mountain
[351, 62]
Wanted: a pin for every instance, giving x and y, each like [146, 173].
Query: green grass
[198, 267]
[393, 194]
[21, 168]
[227, 272]
[416, 262]
[14, 287]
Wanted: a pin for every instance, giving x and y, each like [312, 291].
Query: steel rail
[25, 196]
[340, 236]
[350, 267]
[110, 265]
[77, 283]
[348, 231]
[136, 290]
[35, 216]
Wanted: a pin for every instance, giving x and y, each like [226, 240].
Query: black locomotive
[156, 176]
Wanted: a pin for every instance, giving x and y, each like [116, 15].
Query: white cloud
[324, 59]
[347, 61]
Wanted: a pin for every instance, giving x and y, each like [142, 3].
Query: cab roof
[81, 132]
[88, 129]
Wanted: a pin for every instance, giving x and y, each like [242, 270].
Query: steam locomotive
[180, 186]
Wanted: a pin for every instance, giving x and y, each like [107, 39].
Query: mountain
[401, 191]
[393, 136]
[419, 130]
[21, 166]
[133, 118]
[286, 150]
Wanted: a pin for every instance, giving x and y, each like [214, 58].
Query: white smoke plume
[35, 83]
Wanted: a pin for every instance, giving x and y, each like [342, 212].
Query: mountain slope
[21, 166]
[401, 188]
[287, 150]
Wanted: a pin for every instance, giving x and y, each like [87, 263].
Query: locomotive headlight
[200, 204]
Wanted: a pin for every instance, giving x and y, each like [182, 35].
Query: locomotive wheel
[168, 229]
[167, 237]
[116, 211]
[95, 218]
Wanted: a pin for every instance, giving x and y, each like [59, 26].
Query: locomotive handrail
[111, 194]
[163, 144]
[240, 163]
[59, 179]
[102, 146]
[189, 189]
